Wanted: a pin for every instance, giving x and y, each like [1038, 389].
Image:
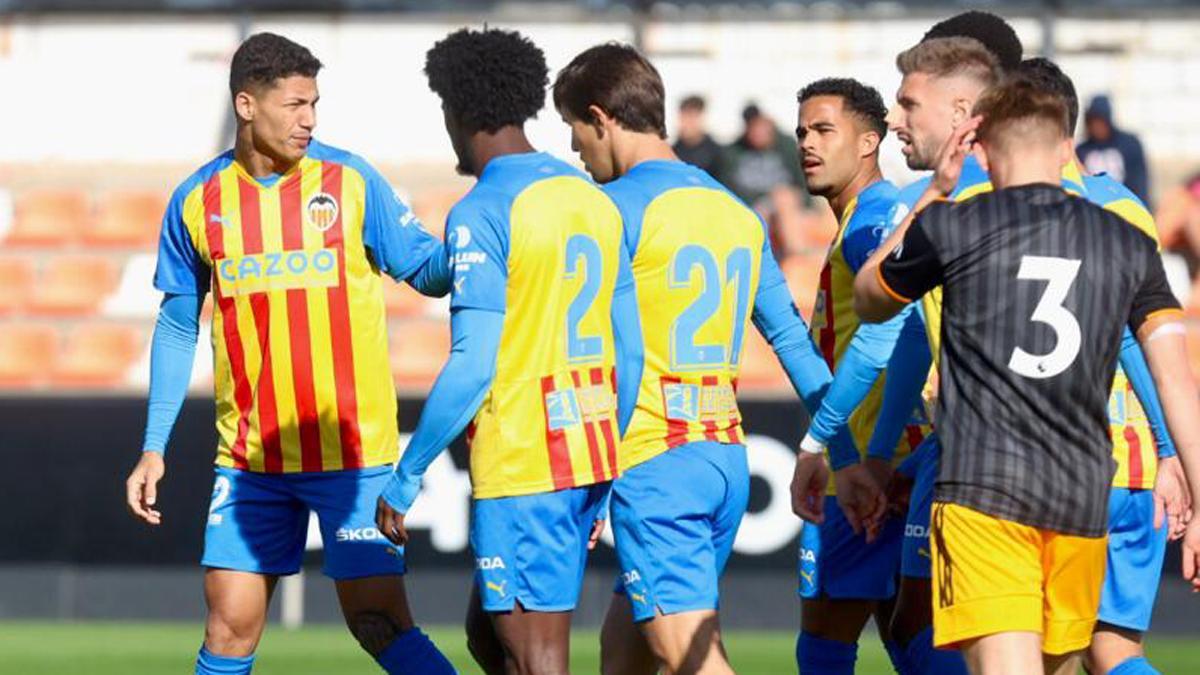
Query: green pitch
[169, 649]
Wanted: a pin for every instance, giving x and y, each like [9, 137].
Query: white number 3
[1061, 273]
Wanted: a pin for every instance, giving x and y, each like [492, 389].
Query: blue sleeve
[907, 373]
[1133, 362]
[396, 240]
[632, 205]
[477, 246]
[911, 464]
[172, 351]
[861, 240]
[456, 396]
[627, 334]
[858, 370]
[180, 269]
[777, 319]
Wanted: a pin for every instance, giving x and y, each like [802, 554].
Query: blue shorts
[1135, 560]
[674, 519]
[836, 563]
[532, 549]
[258, 522]
[915, 560]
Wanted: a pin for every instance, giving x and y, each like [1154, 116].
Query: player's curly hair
[994, 32]
[862, 100]
[1048, 76]
[266, 57]
[488, 78]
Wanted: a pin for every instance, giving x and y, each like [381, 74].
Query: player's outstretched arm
[1162, 338]
[459, 390]
[172, 351]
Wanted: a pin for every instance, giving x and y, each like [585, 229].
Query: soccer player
[1137, 538]
[942, 79]
[291, 236]
[1020, 501]
[844, 578]
[542, 314]
[703, 270]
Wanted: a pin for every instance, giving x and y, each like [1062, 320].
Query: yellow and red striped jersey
[539, 242]
[301, 370]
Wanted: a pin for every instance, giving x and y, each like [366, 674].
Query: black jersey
[1037, 288]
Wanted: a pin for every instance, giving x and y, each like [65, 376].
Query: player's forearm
[433, 277]
[456, 396]
[1133, 363]
[627, 335]
[1167, 355]
[907, 371]
[172, 351]
[777, 320]
[860, 367]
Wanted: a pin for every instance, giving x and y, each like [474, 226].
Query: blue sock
[922, 658]
[1137, 665]
[208, 663]
[818, 656]
[896, 654]
[413, 653]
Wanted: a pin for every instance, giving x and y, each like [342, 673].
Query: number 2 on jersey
[583, 349]
[1060, 273]
[688, 261]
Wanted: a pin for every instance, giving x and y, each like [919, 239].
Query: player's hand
[390, 523]
[141, 488]
[1191, 554]
[950, 160]
[899, 494]
[808, 487]
[861, 499]
[597, 530]
[1172, 501]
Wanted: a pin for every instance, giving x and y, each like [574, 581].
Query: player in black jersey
[1038, 286]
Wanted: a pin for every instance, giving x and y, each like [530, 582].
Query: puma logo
[924, 553]
[499, 588]
[638, 597]
[807, 576]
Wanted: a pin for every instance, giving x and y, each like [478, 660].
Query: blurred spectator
[760, 160]
[694, 145]
[763, 168]
[1110, 150]
[1178, 221]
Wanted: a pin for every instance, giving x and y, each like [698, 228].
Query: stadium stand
[98, 354]
[127, 219]
[27, 353]
[418, 349]
[73, 284]
[48, 218]
[16, 282]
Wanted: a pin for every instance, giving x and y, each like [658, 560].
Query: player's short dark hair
[1047, 75]
[619, 80]
[265, 57]
[862, 100]
[949, 56]
[994, 32]
[488, 79]
[693, 102]
[1017, 110]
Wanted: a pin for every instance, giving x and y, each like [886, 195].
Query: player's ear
[1066, 151]
[962, 112]
[244, 105]
[868, 143]
[600, 119]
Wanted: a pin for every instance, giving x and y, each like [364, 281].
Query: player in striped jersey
[291, 235]
[1136, 535]
[544, 324]
[844, 577]
[703, 269]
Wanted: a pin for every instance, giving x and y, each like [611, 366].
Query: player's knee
[225, 637]
[536, 657]
[373, 630]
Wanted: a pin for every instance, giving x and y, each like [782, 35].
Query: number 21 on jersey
[694, 265]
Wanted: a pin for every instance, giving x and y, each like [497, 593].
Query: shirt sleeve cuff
[401, 492]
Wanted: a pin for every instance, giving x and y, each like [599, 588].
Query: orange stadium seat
[16, 282]
[803, 274]
[402, 300]
[760, 369]
[73, 285]
[127, 219]
[48, 217]
[418, 350]
[27, 353]
[98, 355]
